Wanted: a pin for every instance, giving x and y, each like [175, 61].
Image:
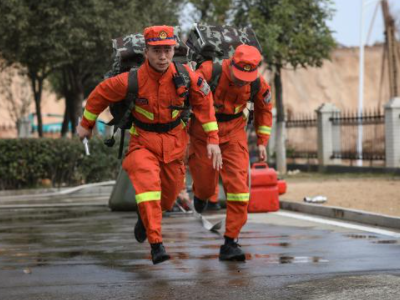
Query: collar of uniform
[153, 73]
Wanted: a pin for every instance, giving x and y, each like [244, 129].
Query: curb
[351, 215]
[91, 189]
[66, 205]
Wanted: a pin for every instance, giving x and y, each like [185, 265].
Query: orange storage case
[264, 192]
[261, 175]
[282, 187]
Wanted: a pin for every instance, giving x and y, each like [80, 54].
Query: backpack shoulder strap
[182, 74]
[182, 71]
[254, 88]
[133, 88]
[215, 75]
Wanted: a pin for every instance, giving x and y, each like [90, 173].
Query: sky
[346, 21]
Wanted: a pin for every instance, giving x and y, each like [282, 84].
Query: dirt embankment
[373, 194]
[337, 82]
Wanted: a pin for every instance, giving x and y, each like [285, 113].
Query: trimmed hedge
[27, 163]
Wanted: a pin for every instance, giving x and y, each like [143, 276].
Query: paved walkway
[90, 253]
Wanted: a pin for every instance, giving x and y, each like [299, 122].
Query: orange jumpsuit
[154, 161]
[229, 99]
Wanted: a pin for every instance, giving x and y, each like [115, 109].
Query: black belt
[157, 127]
[227, 118]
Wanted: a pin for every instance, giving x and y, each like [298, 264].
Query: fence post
[325, 133]
[392, 136]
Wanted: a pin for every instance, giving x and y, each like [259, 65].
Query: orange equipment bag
[264, 192]
[282, 187]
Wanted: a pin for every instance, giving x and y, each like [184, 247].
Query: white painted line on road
[339, 224]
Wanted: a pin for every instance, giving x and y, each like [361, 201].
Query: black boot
[140, 230]
[199, 205]
[213, 206]
[158, 253]
[231, 251]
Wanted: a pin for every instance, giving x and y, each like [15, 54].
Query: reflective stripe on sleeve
[264, 130]
[133, 131]
[237, 108]
[144, 112]
[148, 196]
[211, 126]
[238, 197]
[89, 116]
[175, 113]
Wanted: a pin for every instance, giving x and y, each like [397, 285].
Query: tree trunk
[77, 96]
[73, 93]
[37, 87]
[280, 124]
[67, 112]
[66, 120]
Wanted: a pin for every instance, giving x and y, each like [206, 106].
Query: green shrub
[24, 163]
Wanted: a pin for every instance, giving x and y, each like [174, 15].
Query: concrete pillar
[392, 133]
[123, 195]
[326, 133]
[24, 127]
[281, 164]
[271, 148]
[109, 131]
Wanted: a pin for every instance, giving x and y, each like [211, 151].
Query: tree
[211, 11]
[15, 93]
[88, 31]
[291, 33]
[28, 31]
[85, 36]
[72, 39]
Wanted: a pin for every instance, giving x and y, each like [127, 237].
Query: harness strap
[227, 118]
[156, 127]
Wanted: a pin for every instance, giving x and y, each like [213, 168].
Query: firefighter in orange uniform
[154, 161]
[230, 98]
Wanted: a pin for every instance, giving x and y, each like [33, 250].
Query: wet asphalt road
[90, 253]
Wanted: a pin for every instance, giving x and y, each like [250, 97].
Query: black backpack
[216, 43]
[128, 55]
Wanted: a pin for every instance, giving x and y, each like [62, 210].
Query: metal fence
[348, 126]
[301, 134]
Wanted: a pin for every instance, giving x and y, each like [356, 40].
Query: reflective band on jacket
[238, 197]
[89, 116]
[148, 196]
[133, 130]
[237, 108]
[210, 126]
[175, 113]
[183, 124]
[144, 112]
[264, 130]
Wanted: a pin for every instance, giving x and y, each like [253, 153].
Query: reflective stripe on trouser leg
[150, 212]
[172, 181]
[234, 177]
[143, 169]
[205, 178]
